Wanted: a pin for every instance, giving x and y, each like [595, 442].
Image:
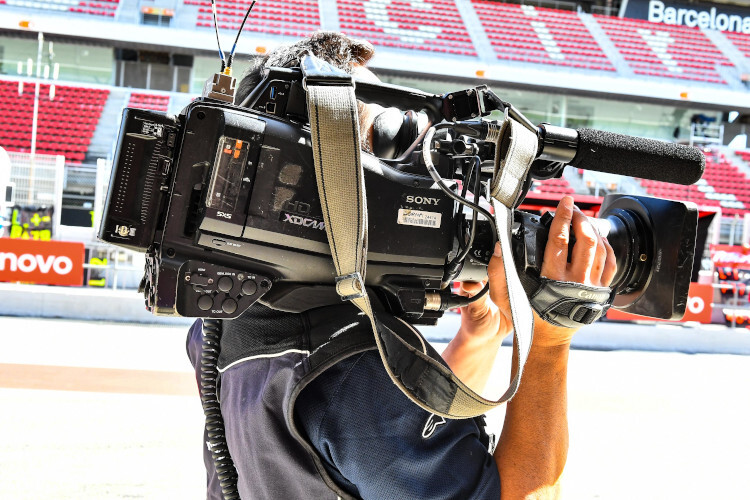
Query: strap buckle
[316, 71]
[586, 313]
[350, 286]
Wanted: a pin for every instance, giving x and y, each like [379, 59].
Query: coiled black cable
[217, 442]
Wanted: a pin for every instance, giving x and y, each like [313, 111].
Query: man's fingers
[555, 259]
[496, 275]
[610, 265]
[587, 259]
[470, 288]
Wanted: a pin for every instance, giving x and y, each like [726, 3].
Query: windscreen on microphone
[637, 157]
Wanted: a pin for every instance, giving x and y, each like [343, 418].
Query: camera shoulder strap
[334, 129]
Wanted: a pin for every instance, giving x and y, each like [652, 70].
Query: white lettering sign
[28, 263]
[659, 12]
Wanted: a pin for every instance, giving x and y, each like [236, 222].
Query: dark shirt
[374, 442]
[372, 438]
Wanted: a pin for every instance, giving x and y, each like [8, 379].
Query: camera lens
[631, 242]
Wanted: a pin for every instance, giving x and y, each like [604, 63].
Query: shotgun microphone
[622, 154]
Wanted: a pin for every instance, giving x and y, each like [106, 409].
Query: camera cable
[215, 434]
[453, 266]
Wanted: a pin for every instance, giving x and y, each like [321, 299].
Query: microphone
[622, 154]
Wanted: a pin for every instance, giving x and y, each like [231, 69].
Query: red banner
[698, 307]
[41, 262]
[730, 256]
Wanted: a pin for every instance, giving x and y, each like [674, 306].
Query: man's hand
[533, 446]
[592, 263]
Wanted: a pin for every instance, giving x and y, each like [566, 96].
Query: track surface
[110, 411]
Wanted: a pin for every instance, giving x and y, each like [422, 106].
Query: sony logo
[304, 221]
[28, 263]
[422, 200]
[224, 215]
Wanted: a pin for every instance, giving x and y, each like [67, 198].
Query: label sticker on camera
[419, 218]
[154, 129]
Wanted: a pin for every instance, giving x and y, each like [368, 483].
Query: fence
[38, 180]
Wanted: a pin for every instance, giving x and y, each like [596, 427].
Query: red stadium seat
[436, 26]
[525, 26]
[58, 119]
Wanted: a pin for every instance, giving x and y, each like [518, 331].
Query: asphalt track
[94, 410]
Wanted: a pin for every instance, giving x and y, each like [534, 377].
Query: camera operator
[348, 431]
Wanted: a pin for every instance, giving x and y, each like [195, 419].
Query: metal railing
[112, 267]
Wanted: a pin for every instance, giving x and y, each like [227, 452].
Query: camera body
[224, 202]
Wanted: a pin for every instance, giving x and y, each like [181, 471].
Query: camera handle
[332, 109]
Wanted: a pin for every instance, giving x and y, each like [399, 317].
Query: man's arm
[533, 446]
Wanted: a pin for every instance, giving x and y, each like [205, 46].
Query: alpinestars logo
[431, 425]
[303, 221]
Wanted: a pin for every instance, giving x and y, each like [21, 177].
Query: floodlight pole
[34, 121]
[37, 91]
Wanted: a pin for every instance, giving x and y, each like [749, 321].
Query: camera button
[249, 287]
[205, 302]
[229, 306]
[225, 283]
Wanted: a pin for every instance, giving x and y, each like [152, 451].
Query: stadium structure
[651, 68]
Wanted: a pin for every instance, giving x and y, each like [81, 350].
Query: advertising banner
[41, 262]
[698, 307]
[730, 256]
[707, 16]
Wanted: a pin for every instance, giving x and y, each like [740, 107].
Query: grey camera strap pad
[335, 140]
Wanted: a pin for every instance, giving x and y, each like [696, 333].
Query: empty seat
[665, 51]
[431, 25]
[525, 33]
[276, 17]
[65, 124]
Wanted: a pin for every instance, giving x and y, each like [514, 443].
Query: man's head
[337, 49]
[334, 48]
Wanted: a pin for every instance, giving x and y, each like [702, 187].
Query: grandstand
[569, 64]
[294, 18]
[528, 34]
[66, 123]
[429, 25]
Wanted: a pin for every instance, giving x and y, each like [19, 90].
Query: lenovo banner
[41, 262]
[707, 16]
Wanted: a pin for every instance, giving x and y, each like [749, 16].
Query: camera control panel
[208, 290]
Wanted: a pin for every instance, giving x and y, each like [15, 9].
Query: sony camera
[223, 201]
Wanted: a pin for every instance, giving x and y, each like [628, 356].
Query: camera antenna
[239, 32]
[222, 85]
[218, 42]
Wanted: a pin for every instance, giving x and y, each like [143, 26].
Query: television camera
[223, 201]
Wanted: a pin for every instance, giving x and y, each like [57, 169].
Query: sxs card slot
[226, 178]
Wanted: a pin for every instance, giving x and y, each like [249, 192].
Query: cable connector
[443, 300]
[221, 86]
